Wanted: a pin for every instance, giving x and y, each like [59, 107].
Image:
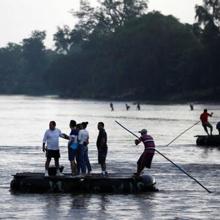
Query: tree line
[118, 50]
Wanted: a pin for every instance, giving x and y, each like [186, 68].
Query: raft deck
[94, 183]
[208, 140]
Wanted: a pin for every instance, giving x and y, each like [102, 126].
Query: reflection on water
[23, 121]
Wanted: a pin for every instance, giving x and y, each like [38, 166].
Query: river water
[23, 121]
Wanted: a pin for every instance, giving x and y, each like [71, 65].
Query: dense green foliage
[23, 67]
[118, 51]
[207, 30]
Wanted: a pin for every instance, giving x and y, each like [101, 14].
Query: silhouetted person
[138, 107]
[127, 106]
[102, 147]
[111, 106]
[218, 127]
[205, 123]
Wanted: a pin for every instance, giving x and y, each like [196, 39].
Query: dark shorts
[53, 154]
[206, 124]
[102, 153]
[145, 159]
[72, 154]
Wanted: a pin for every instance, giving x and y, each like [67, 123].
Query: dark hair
[79, 126]
[101, 123]
[205, 110]
[72, 123]
[53, 123]
[84, 124]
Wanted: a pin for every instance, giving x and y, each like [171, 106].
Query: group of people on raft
[78, 141]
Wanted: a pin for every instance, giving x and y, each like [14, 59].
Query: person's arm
[97, 140]
[103, 140]
[210, 114]
[200, 117]
[44, 142]
[43, 147]
[87, 140]
[79, 138]
[71, 138]
[137, 141]
[64, 136]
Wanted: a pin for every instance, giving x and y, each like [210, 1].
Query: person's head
[84, 124]
[143, 131]
[205, 110]
[79, 127]
[72, 124]
[100, 125]
[52, 125]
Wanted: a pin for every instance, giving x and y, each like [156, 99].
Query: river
[23, 121]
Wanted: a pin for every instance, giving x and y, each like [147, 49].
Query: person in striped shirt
[146, 157]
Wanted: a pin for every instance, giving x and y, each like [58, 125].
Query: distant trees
[34, 53]
[207, 29]
[62, 40]
[96, 23]
[11, 68]
[151, 56]
[118, 50]
[23, 66]
[34, 50]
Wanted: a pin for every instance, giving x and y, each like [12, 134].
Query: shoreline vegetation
[119, 51]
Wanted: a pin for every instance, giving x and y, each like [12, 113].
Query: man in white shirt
[51, 138]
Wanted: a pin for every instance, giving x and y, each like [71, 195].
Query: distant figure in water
[138, 106]
[127, 106]
[218, 127]
[191, 106]
[205, 123]
[111, 106]
[146, 157]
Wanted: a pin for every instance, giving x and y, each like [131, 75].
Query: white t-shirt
[83, 136]
[51, 137]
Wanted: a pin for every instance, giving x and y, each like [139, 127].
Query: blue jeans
[81, 165]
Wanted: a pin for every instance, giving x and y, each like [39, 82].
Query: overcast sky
[18, 18]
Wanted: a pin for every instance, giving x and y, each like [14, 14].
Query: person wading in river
[146, 157]
[51, 138]
[205, 123]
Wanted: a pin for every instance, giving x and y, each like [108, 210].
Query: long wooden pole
[182, 133]
[180, 168]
